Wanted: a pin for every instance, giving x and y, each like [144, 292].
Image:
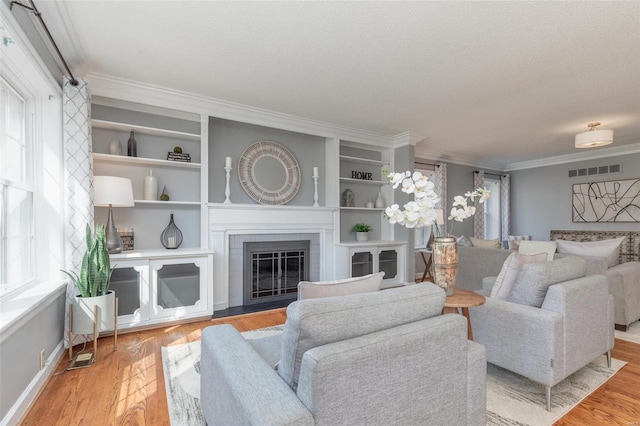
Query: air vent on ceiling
[597, 170]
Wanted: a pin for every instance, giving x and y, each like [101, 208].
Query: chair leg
[608, 359]
[547, 392]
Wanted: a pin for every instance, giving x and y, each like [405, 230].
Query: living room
[502, 111]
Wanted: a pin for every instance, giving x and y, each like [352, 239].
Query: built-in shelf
[362, 160]
[112, 125]
[123, 159]
[150, 253]
[168, 203]
[363, 208]
[363, 181]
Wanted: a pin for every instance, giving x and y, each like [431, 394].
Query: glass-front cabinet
[157, 286]
[363, 258]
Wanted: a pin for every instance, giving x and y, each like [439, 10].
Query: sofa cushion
[509, 273]
[316, 322]
[535, 278]
[535, 247]
[364, 284]
[479, 242]
[609, 249]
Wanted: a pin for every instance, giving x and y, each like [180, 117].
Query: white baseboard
[19, 409]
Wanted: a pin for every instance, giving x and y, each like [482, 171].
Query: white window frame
[23, 70]
[423, 234]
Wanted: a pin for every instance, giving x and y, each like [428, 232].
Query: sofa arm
[587, 308]
[476, 384]
[238, 387]
[520, 338]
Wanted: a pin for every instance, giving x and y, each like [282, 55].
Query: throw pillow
[509, 273]
[463, 241]
[609, 249]
[364, 284]
[535, 279]
[514, 241]
[535, 247]
[479, 242]
[316, 322]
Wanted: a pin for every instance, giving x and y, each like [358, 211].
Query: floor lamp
[112, 191]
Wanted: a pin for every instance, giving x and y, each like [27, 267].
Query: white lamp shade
[594, 138]
[439, 217]
[112, 190]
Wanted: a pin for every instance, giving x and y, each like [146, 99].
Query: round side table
[463, 300]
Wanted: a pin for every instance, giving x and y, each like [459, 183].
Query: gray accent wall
[541, 197]
[230, 138]
[20, 350]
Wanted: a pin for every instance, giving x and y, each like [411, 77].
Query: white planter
[83, 312]
[362, 236]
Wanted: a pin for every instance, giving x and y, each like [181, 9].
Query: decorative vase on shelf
[369, 204]
[362, 236]
[132, 146]
[348, 198]
[379, 201]
[171, 237]
[445, 262]
[114, 147]
[150, 187]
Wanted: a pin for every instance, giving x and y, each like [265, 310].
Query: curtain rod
[490, 174]
[426, 164]
[36, 12]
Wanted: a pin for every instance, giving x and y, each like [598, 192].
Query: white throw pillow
[609, 249]
[509, 273]
[514, 241]
[364, 284]
[535, 247]
[479, 242]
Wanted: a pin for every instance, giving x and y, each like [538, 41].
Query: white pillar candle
[171, 242]
[315, 172]
[227, 162]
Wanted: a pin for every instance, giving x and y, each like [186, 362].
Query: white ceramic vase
[114, 147]
[150, 187]
[379, 201]
[362, 236]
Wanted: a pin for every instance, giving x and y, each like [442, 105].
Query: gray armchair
[385, 357]
[572, 327]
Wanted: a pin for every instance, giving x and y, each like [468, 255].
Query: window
[492, 210]
[16, 191]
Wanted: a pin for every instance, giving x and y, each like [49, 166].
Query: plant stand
[96, 332]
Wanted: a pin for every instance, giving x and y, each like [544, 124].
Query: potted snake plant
[93, 286]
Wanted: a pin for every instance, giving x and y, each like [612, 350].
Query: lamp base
[114, 242]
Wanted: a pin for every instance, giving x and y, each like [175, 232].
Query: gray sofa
[386, 357]
[572, 327]
[477, 263]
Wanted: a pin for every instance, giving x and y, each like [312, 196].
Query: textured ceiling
[494, 82]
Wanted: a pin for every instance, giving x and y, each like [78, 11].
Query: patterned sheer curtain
[439, 179]
[478, 218]
[505, 206]
[78, 169]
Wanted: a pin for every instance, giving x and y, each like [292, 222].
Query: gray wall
[230, 138]
[28, 22]
[541, 197]
[20, 351]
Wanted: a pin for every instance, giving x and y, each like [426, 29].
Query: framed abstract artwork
[611, 201]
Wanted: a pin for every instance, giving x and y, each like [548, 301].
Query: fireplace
[273, 269]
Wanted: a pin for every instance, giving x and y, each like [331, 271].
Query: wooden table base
[463, 300]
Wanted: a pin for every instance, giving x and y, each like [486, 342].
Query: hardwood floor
[126, 387]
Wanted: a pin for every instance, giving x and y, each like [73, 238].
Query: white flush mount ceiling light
[594, 137]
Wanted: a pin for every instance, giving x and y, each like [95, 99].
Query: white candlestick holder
[315, 194]
[227, 190]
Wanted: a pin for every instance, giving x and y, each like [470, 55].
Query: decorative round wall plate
[269, 173]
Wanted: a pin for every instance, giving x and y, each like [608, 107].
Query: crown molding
[134, 91]
[406, 139]
[578, 156]
[430, 154]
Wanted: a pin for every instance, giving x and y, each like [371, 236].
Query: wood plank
[127, 386]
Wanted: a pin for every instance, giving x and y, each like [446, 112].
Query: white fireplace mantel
[226, 220]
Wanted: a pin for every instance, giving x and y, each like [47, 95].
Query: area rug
[511, 399]
[632, 334]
